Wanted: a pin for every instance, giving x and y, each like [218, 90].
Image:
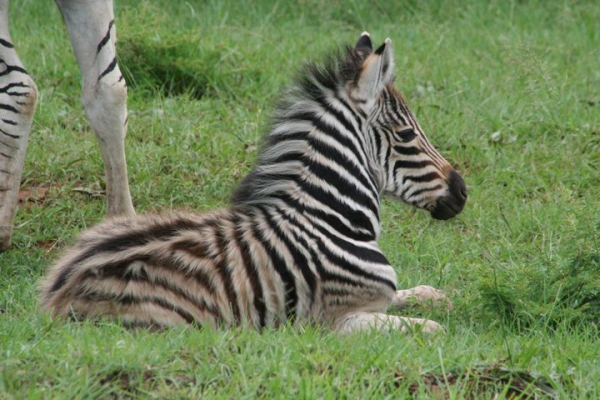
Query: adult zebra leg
[364, 321]
[423, 295]
[18, 96]
[104, 94]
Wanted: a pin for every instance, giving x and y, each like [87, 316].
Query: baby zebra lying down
[298, 242]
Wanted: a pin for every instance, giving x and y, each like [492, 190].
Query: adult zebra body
[104, 96]
[299, 241]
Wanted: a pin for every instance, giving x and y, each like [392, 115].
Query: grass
[508, 91]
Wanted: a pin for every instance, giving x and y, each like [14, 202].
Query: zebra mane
[341, 66]
[300, 105]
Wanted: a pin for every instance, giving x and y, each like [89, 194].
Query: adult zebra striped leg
[104, 96]
[18, 96]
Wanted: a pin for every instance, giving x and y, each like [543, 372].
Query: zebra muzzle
[451, 204]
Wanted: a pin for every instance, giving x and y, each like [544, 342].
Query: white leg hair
[423, 294]
[104, 97]
[364, 321]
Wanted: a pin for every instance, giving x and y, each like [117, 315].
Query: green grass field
[508, 91]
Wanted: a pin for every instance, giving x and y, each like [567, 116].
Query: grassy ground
[508, 91]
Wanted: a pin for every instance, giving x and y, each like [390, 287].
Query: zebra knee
[105, 104]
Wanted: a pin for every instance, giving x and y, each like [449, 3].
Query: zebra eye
[405, 135]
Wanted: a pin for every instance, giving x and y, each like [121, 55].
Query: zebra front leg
[422, 294]
[364, 321]
[104, 95]
[18, 96]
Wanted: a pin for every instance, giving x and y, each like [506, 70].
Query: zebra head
[406, 165]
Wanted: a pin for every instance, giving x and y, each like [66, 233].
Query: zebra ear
[376, 72]
[364, 43]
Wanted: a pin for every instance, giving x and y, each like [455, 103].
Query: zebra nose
[451, 204]
[456, 186]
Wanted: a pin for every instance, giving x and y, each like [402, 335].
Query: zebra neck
[315, 165]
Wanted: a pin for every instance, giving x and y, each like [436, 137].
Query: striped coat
[299, 241]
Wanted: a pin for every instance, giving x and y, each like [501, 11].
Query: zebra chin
[451, 204]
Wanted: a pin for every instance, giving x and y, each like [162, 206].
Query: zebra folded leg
[364, 321]
[18, 95]
[421, 295]
[104, 96]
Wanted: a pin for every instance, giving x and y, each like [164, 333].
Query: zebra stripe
[6, 43]
[18, 95]
[104, 42]
[298, 242]
[106, 37]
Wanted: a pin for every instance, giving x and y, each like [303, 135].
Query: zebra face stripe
[411, 169]
[406, 165]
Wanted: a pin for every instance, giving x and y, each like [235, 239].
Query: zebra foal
[298, 242]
